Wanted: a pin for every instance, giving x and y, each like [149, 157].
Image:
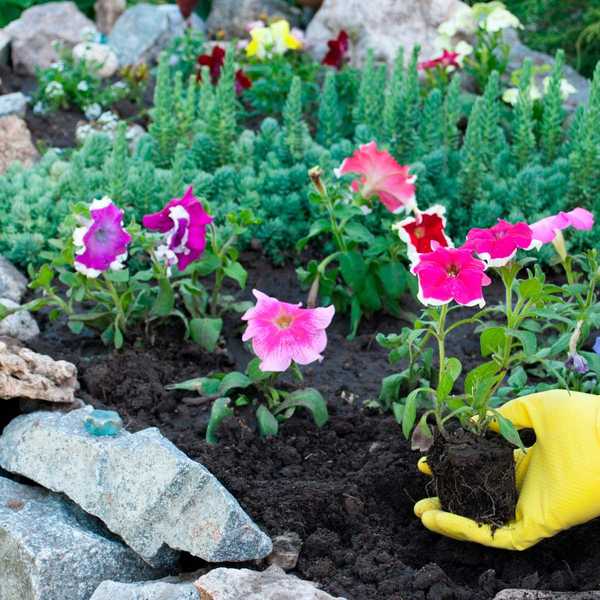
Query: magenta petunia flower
[546, 230]
[183, 221]
[381, 176]
[445, 60]
[338, 48]
[448, 274]
[283, 332]
[424, 232]
[498, 245]
[101, 243]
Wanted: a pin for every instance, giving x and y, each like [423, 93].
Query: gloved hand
[558, 478]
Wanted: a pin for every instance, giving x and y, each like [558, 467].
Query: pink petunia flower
[545, 230]
[101, 243]
[498, 245]
[283, 332]
[381, 176]
[446, 59]
[448, 274]
[338, 48]
[183, 221]
[424, 232]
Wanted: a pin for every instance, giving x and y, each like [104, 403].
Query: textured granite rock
[13, 104]
[383, 25]
[143, 30]
[538, 595]
[51, 550]
[148, 590]
[141, 486]
[19, 325]
[27, 374]
[232, 16]
[12, 282]
[16, 143]
[244, 584]
[34, 33]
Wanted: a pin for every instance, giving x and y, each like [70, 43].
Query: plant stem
[117, 302]
[440, 335]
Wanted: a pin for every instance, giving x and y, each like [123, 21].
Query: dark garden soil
[348, 489]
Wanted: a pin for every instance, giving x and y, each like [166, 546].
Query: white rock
[148, 590]
[13, 104]
[538, 595]
[383, 25]
[33, 34]
[12, 282]
[143, 30]
[51, 550]
[97, 54]
[27, 374]
[20, 325]
[244, 584]
[141, 486]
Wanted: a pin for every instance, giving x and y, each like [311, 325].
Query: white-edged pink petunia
[101, 243]
[448, 274]
[382, 176]
[498, 245]
[183, 221]
[283, 332]
[424, 232]
[545, 230]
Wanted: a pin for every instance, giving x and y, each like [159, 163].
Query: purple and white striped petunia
[183, 221]
[101, 243]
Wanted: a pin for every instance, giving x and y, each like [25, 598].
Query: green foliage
[552, 119]
[329, 117]
[295, 129]
[524, 143]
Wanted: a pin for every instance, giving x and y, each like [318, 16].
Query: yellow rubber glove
[558, 478]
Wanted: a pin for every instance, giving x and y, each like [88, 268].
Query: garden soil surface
[347, 489]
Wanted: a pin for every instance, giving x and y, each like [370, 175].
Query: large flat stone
[148, 590]
[538, 595]
[244, 584]
[143, 30]
[144, 488]
[51, 550]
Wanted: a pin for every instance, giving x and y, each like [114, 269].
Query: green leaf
[209, 264]
[410, 413]
[390, 388]
[530, 288]
[235, 271]
[492, 340]
[75, 326]
[508, 431]
[310, 399]
[232, 381]
[317, 227]
[165, 300]
[206, 332]
[267, 423]
[219, 410]
[118, 338]
[355, 317]
[369, 295]
[482, 371]
[354, 269]
[393, 278]
[359, 233]
[527, 339]
[145, 275]
[518, 378]
[121, 276]
[451, 374]
[398, 410]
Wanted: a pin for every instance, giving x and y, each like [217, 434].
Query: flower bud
[315, 175]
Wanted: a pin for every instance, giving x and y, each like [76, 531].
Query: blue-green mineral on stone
[103, 422]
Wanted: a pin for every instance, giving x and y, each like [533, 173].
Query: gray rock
[149, 590]
[143, 30]
[51, 550]
[286, 550]
[4, 47]
[12, 282]
[244, 584]
[537, 595]
[33, 34]
[20, 325]
[13, 104]
[519, 52]
[383, 25]
[143, 487]
[232, 16]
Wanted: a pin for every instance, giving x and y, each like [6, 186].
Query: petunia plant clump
[121, 280]
[451, 279]
[283, 336]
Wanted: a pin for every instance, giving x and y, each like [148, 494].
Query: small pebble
[103, 422]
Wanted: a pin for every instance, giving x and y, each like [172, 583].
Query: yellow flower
[274, 39]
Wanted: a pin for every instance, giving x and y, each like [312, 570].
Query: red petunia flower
[215, 61]
[338, 48]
